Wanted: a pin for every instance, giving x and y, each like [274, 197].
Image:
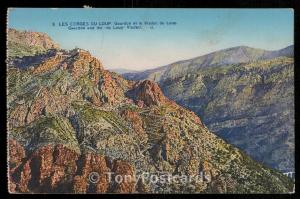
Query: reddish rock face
[49, 64]
[45, 169]
[16, 155]
[60, 169]
[25, 177]
[151, 94]
[112, 89]
[137, 122]
[83, 64]
[147, 92]
[127, 184]
[91, 163]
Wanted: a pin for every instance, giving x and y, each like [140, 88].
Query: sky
[196, 32]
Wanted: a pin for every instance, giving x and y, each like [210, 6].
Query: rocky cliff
[69, 118]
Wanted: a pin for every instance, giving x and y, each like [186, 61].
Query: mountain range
[122, 70]
[245, 95]
[235, 55]
[68, 118]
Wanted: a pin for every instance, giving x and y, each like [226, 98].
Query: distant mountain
[235, 55]
[121, 71]
[285, 52]
[244, 95]
[69, 118]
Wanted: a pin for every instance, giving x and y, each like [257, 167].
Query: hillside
[244, 95]
[28, 43]
[68, 117]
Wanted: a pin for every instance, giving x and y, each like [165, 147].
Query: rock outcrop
[59, 169]
[148, 93]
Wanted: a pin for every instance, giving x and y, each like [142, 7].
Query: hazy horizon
[137, 70]
[198, 32]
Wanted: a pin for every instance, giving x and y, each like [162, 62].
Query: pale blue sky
[198, 31]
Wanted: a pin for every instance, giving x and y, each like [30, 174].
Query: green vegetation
[21, 50]
[47, 130]
[16, 79]
[130, 107]
[90, 114]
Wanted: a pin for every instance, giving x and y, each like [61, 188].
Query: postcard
[146, 100]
